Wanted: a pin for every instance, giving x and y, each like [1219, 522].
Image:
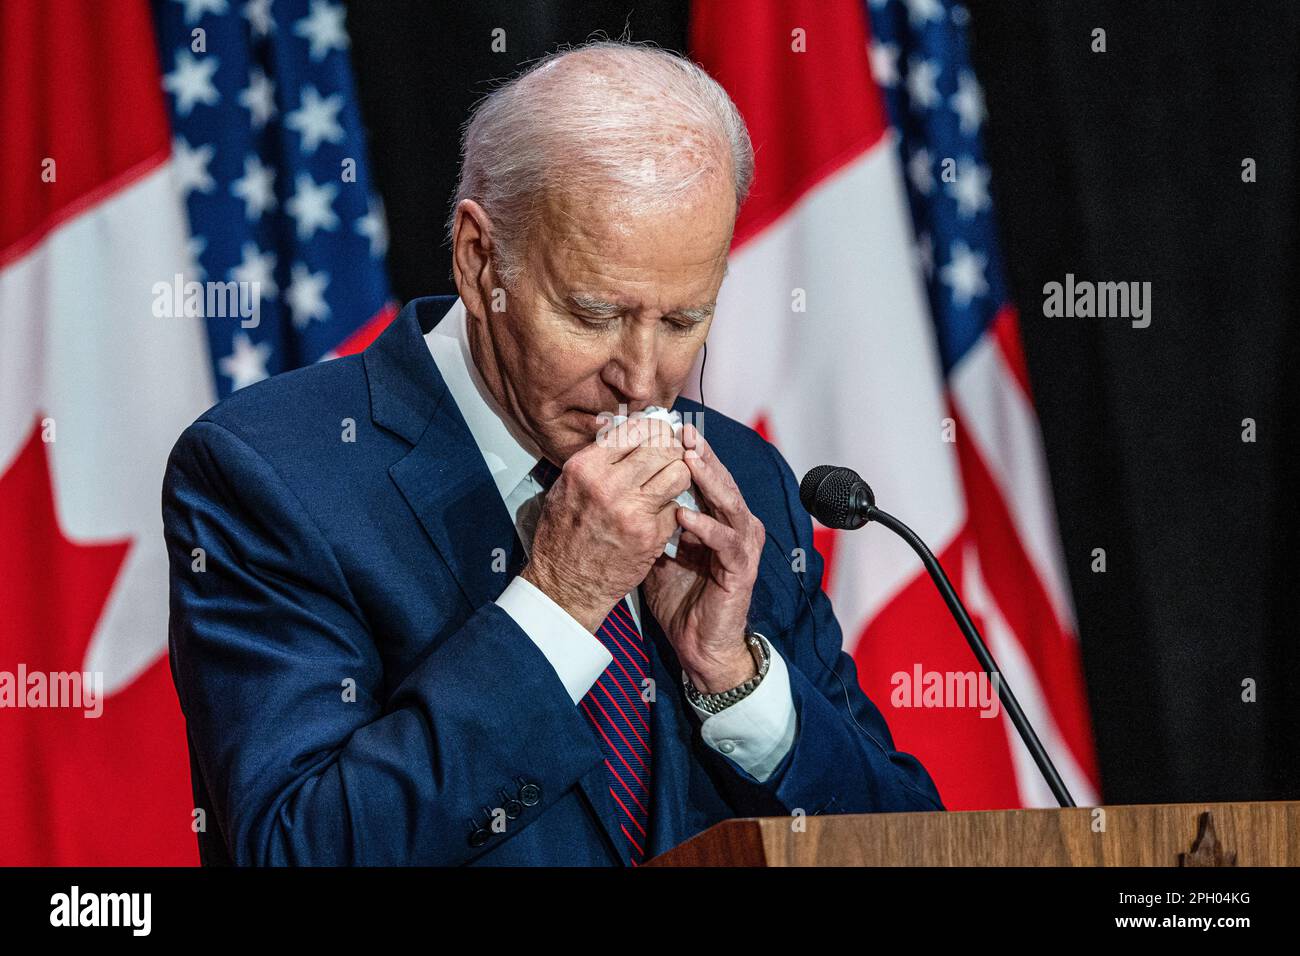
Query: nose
[634, 368]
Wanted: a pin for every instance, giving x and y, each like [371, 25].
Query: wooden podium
[1158, 834]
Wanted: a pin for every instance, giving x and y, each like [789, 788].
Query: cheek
[677, 361]
[565, 374]
[534, 355]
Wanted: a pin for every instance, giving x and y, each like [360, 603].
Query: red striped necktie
[618, 713]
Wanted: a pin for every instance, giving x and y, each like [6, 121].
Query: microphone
[839, 498]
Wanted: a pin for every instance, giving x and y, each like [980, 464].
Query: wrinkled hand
[606, 519]
[701, 598]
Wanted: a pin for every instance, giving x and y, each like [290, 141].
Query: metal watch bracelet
[713, 703]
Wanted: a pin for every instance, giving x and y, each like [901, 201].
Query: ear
[471, 257]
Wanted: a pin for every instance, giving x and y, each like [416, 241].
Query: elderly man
[425, 606]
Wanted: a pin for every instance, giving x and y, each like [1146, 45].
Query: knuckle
[575, 468]
[681, 476]
[596, 492]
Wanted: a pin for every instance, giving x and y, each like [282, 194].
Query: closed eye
[599, 324]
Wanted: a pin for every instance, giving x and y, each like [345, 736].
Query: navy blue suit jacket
[352, 695]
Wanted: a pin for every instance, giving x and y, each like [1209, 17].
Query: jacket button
[511, 806]
[478, 837]
[530, 794]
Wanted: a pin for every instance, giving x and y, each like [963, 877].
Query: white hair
[636, 125]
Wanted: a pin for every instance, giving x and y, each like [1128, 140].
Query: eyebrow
[601, 309]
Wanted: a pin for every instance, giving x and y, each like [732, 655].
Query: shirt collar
[509, 454]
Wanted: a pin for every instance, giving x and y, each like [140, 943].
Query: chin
[560, 447]
[567, 449]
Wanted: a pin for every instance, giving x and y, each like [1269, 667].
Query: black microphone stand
[980, 649]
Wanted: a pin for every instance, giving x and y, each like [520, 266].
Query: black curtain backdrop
[1117, 166]
[1127, 165]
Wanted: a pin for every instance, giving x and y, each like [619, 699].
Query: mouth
[590, 419]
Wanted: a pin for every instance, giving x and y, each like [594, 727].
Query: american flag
[871, 211]
[919, 60]
[270, 154]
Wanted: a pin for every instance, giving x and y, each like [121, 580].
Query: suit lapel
[595, 787]
[447, 484]
[444, 477]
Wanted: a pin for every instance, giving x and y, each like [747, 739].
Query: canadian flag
[94, 390]
[828, 342]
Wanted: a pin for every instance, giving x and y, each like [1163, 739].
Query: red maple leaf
[76, 790]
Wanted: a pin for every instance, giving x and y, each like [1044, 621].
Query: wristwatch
[713, 703]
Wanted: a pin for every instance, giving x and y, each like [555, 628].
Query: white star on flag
[312, 206]
[316, 119]
[258, 14]
[258, 98]
[256, 187]
[374, 227]
[191, 81]
[247, 363]
[919, 172]
[964, 274]
[194, 9]
[190, 166]
[968, 102]
[323, 27]
[884, 62]
[257, 267]
[922, 11]
[306, 295]
[970, 189]
[922, 83]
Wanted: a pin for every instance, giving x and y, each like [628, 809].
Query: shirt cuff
[757, 731]
[576, 654]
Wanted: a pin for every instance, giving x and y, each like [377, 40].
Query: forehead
[665, 258]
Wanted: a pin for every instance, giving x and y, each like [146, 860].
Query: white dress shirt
[756, 732]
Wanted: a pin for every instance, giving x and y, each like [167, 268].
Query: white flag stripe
[1019, 673]
[1004, 428]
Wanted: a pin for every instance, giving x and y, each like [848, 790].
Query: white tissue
[686, 499]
